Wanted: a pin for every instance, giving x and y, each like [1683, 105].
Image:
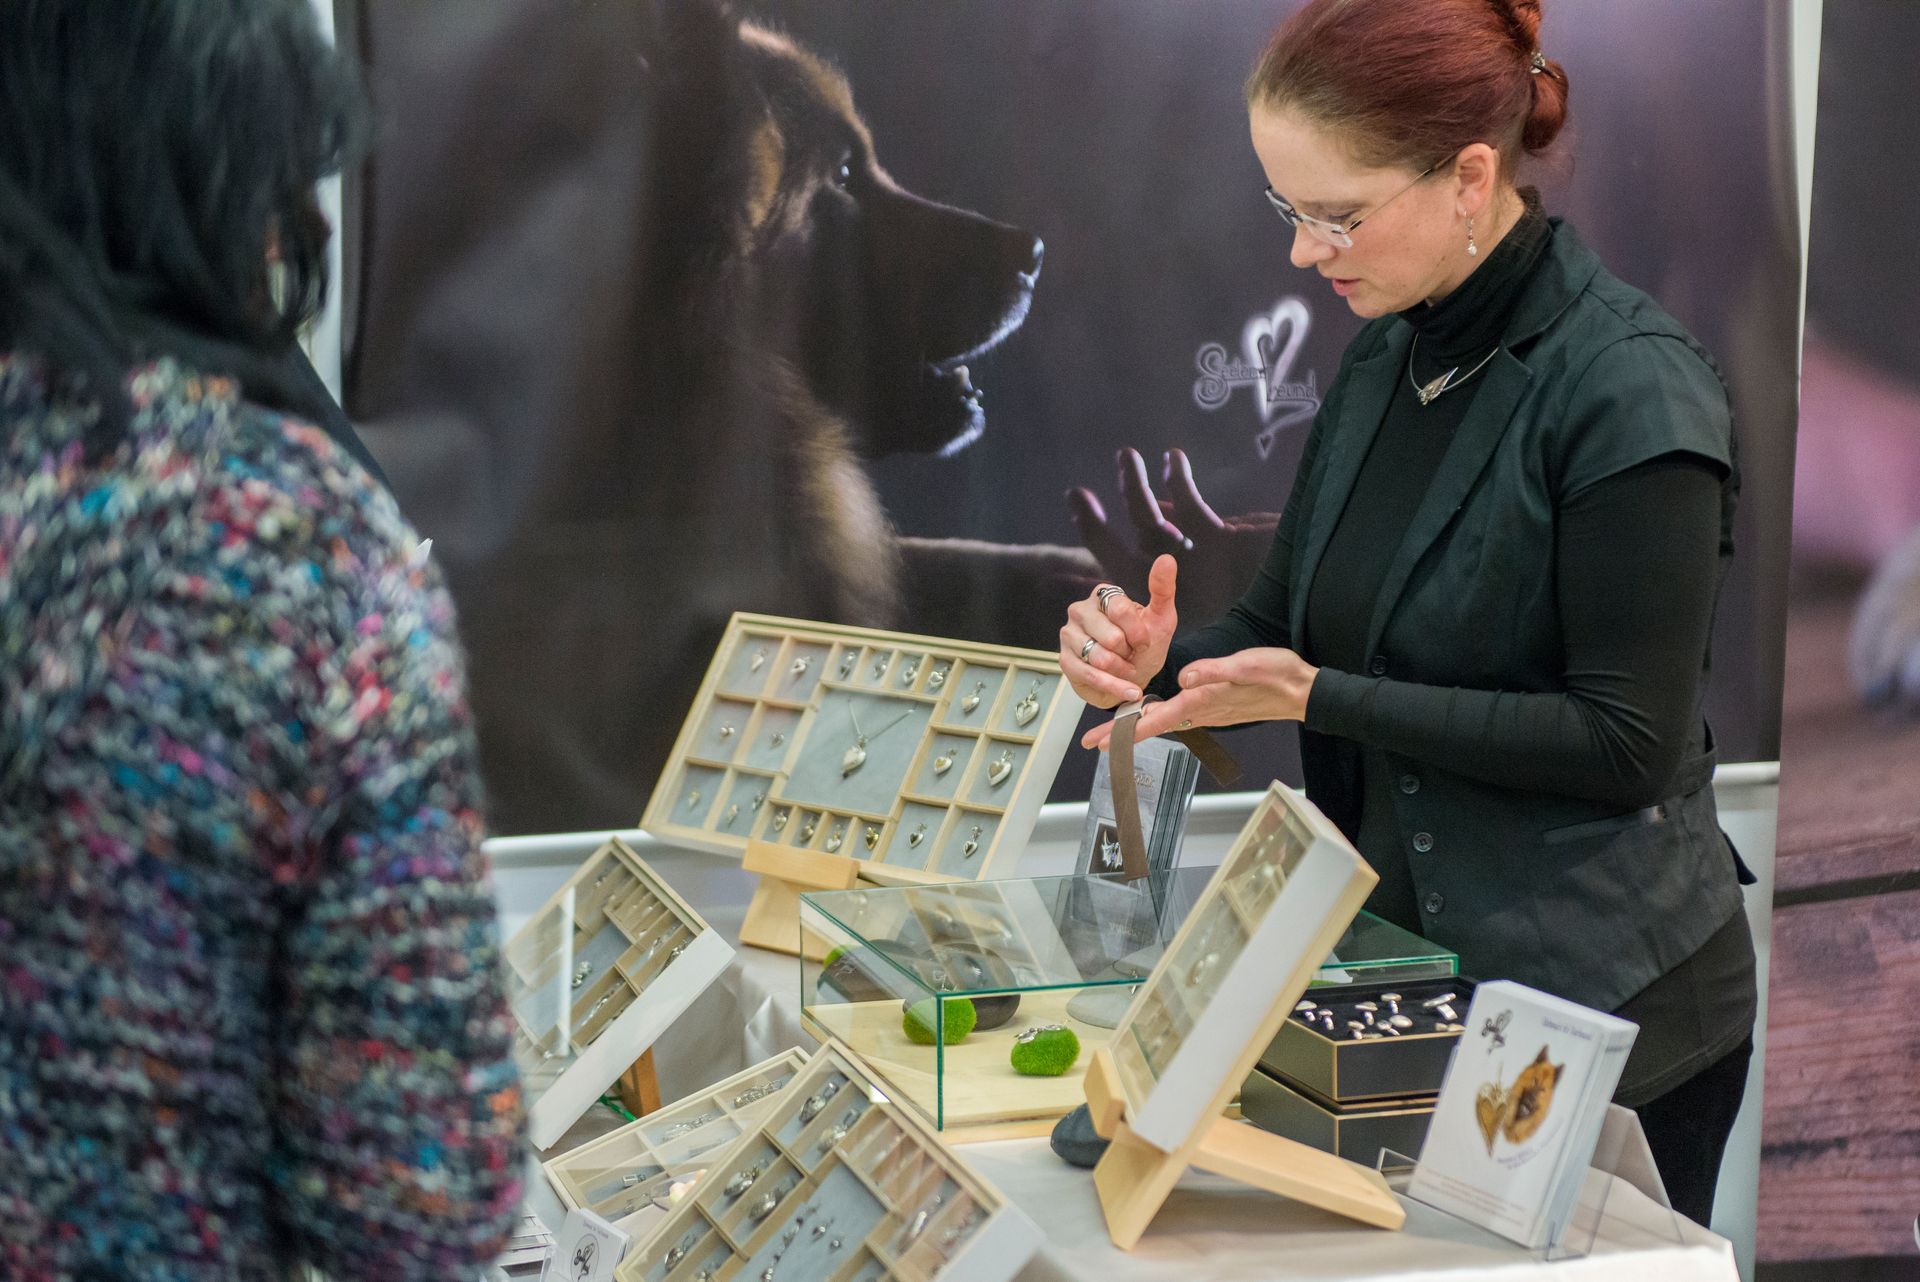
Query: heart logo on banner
[1272, 343]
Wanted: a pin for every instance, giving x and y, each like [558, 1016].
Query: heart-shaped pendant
[1490, 1110]
[1029, 706]
[972, 701]
[942, 764]
[871, 837]
[758, 661]
[918, 835]
[833, 842]
[852, 760]
[972, 847]
[936, 678]
[780, 820]
[999, 768]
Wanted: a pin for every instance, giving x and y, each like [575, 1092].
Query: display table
[1211, 1228]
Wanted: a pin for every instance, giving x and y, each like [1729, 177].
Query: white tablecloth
[1210, 1230]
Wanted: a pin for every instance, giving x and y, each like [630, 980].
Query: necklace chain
[860, 736]
[1446, 382]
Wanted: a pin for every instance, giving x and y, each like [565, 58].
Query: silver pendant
[972, 847]
[779, 737]
[733, 813]
[1109, 853]
[758, 661]
[800, 666]
[726, 732]
[764, 1207]
[972, 701]
[818, 1100]
[847, 661]
[741, 1181]
[937, 679]
[693, 799]
[918, 835]
[908, 673]
[880, 665]
[833, 842]
[1027, 1035]
[853, 758]
[808, 829]
[1029, 706]
[780, 820]
[942, 764]
[581, 972]
[999, 768]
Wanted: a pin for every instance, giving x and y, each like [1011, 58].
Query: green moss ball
[832, 957]
[1049, 1052]
[956, 1014]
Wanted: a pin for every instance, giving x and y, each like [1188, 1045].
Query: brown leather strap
[1126, 804]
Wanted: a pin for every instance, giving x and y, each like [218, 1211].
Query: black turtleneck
[1632, 644]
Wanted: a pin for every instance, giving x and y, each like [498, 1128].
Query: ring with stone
[1087, 649]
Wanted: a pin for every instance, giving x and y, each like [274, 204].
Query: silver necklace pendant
[972, 847]
[853, 758]
[972, 701]
[936, 678]
[908, 673]
[833, 842]
[1428, 390]
[918, 835]
[942, 764]
[999, 768]
[800, 666]
[780, 820]
[847, 661]
[809, 828]
[758, 661]
[1029, 706]
[880, 665]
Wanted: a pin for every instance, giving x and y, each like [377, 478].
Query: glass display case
[937, 986]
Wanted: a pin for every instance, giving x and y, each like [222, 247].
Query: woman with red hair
[1489, 598]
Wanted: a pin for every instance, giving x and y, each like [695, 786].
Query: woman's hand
[1265, 684]
[1129, 640]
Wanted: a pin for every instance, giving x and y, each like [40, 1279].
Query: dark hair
[1405, 83]
[153, 155]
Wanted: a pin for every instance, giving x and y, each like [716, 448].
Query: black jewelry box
[1356, 1132]
[1342, 1069]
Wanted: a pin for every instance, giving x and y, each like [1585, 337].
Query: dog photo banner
[930, 317]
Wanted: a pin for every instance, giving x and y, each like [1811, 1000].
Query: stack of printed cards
[1520, 1111]
[1165, 774]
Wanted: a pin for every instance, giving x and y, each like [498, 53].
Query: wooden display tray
[1272, 912]
[968, 1233]
[758, 767]
[646, 989]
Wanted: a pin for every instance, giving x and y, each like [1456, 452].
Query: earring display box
[836, 1184]
[1022, 954]
[1406, 1034]
[1356, 1132]
[619, 1175]
[600, 971]
[922, 758]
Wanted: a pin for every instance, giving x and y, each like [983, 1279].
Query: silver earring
[1473, 250]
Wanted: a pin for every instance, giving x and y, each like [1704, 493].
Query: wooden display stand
[773, 917]
[638, 1089]
[1134, 1178]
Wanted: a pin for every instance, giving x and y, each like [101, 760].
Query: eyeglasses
[1334, 234]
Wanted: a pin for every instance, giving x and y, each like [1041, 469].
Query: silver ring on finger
[1087, 649]
[1106, 592]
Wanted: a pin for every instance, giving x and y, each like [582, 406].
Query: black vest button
[1409, 784]
[1423, 842]
[1434, 902]
[1379, 666]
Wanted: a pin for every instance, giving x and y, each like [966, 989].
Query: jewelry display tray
[595, 976]
[836, 1184]
[618, 1175]
[924, 759]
